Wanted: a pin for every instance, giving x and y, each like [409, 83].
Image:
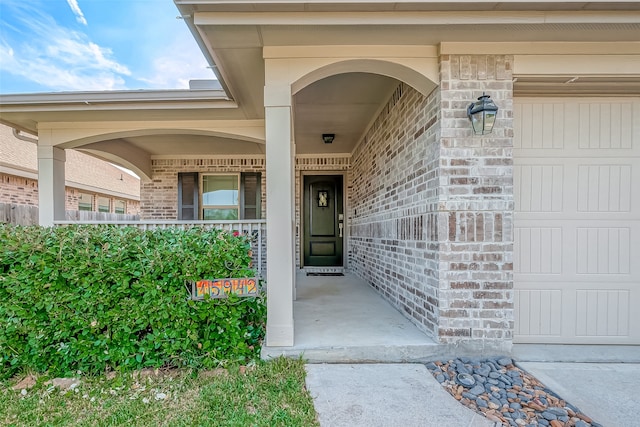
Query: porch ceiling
[195, 145]
[343, 105]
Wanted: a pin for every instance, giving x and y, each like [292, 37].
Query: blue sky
[69, 45]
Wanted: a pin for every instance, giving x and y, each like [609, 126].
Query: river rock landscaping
[504, 393]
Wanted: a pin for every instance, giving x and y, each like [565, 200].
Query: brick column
[475, 206]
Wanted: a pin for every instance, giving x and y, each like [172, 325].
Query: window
[104, 204]
[85, 202]
[219, 196]
[119, 206]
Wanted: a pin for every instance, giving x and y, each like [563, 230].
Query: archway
[383, 117]
[134, 148]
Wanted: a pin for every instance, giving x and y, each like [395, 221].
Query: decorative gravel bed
[504, 393]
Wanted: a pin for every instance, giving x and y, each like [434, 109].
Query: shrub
[94, 298]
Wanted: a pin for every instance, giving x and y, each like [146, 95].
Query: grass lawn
[269, 394]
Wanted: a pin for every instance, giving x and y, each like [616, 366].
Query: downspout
[21, 137]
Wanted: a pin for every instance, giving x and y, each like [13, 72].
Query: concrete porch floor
[340, 319]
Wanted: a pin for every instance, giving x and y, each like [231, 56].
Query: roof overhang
[233, 33]
[25, 111]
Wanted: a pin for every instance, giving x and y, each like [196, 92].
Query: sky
[89, 45]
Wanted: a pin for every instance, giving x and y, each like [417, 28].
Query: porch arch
[419, 81]
[91, 136]
[111, 145]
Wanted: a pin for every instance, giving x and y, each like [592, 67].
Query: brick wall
[159, 197]
[24, 191]
[18, 190]
[392, 235]
[476, 205]
[431, 212]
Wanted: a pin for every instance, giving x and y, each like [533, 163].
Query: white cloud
[182, 62]
[36, 48]
[57, 76]
[61, 59]
[75, 8]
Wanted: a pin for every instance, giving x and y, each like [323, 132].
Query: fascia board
[415, 18]
[220, 5]
[113, 97]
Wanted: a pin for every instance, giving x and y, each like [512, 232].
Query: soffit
[343, 105]
[239, 47]
[250, 37]
[178, 145]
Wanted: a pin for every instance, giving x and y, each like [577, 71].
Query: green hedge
[93, 298]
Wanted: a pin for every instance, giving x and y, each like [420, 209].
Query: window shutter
[188, 196]
[250, 192]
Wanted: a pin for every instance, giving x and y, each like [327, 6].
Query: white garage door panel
[577, 221]
[576, 313]
[576, 250]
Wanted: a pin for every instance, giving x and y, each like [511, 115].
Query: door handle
[340, 227]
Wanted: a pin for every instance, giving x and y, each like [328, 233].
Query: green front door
[323, 221]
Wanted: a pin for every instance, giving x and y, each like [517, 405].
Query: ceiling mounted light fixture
[328, 137]
[482, 114]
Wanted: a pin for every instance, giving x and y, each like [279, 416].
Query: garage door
[577, 220]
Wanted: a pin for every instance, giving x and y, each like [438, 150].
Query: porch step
[326, 271]
[418, 353]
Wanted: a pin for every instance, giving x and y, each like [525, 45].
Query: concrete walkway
[606, 392]
[407, 395]
[383, 395]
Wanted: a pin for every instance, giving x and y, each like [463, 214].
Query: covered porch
[342, 319]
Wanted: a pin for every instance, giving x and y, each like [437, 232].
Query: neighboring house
[528, 234]
[91, 184]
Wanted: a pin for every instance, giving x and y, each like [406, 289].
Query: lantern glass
[482, 115]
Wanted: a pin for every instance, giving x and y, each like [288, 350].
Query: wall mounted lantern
[328, 137]
[482, 114]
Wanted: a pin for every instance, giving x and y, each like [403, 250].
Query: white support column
[51, 179]
[280, 216]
